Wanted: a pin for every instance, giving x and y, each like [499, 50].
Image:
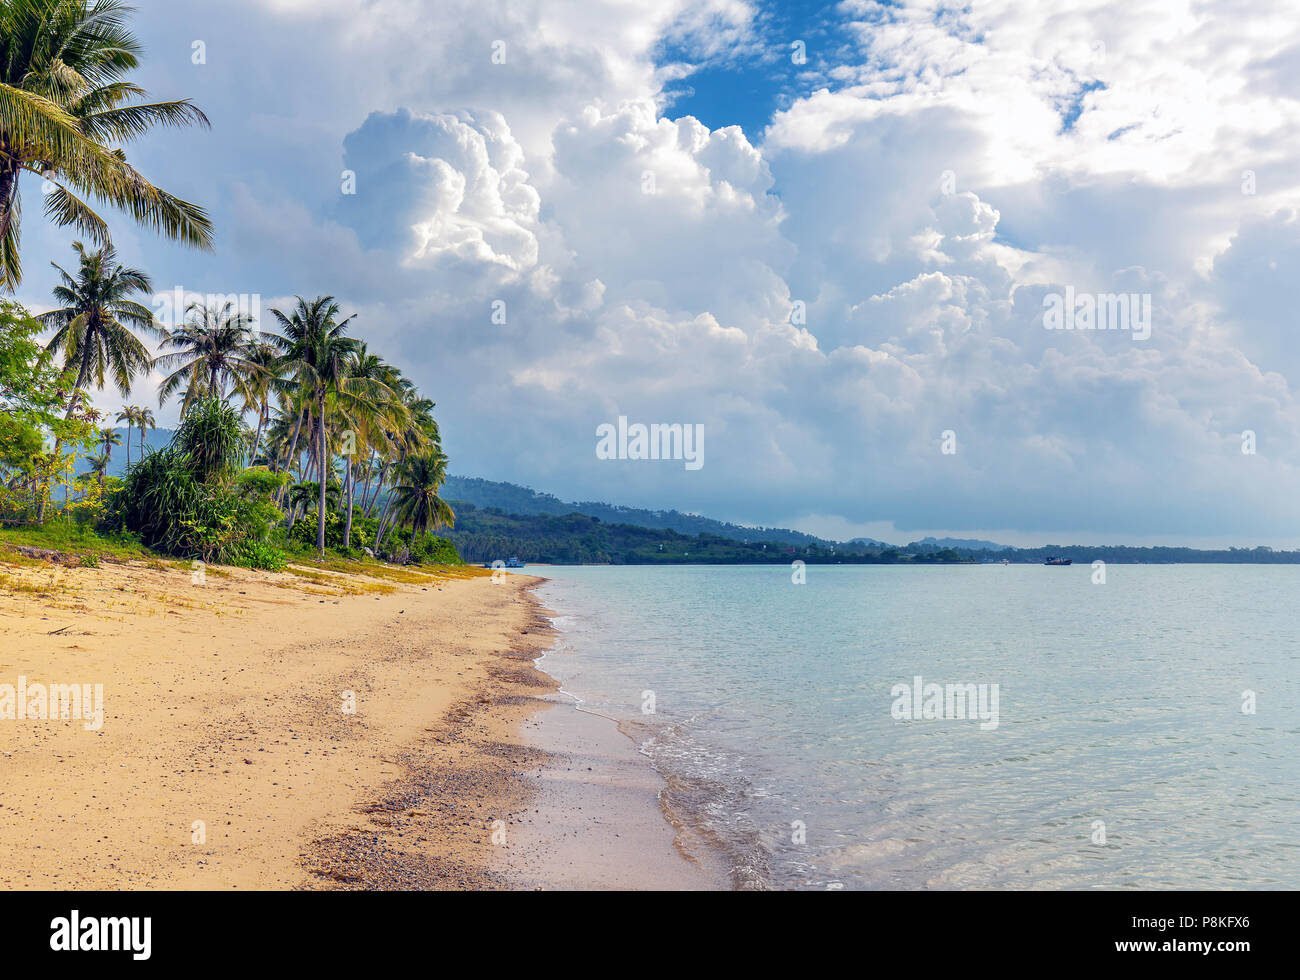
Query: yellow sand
[226, 759]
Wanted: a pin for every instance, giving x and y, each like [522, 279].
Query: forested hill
[486, 534]
[511, 498]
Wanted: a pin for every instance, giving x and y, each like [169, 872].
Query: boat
[1006, 561]
[514, 563]
[1053, 560]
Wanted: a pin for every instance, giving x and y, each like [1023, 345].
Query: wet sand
[595, 819]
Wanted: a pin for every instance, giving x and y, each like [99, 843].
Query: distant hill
[490, 534]
[153, 439]
[970, 544]
[511, 498]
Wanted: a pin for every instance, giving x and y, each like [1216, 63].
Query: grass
[333, 571]
[72, 538]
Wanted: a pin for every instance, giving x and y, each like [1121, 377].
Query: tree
[144, 420]
[98, 466]
[368, 419]
[415, 493]
[210, 351]
[308, 492]
[316, 352]
[94, 328]
[261, 385]
[108, 438]
[66, 107]
[129, 415]
[32, 395]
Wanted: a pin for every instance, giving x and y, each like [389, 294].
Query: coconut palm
[98, 466]
[316, 353]
[95, 327]
[129, 414]
[415, 493]
[144, 420]
[264, 381]
[368, 420]
[418, 435]
[308, 492]
[66, 107]
[108, 438]
[208, 353]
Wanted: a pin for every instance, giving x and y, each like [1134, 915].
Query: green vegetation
[67, 107]
[510, 498]
[344, 455]
[72, 538]
[489, 534]
[194, 498]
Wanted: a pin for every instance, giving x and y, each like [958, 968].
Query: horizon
[832, 239]
[1010, 539]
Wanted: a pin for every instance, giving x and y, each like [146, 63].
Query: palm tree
[308, 492]
[415, 493]
[98, 466]
[369, 419]
[265, 381]
[65, 109]
[93, 327]
[316, 352]
[108, 438]
[209, 352]
[144, 420]
[129, 415]
[418, 435]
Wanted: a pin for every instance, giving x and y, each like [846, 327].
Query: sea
[957, 726]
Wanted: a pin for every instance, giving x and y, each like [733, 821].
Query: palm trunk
[365, 487]
[293, 447]
[379, 487]
[347, 527]
[261, 424]
[388, 505]
[320, 443]
[130, 431]
[82, 374]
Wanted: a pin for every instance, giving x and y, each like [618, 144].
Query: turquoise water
[1119, 714]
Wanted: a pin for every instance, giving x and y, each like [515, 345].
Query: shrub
[256, 554]
[363, 529]
[426, 549]
[192, 500]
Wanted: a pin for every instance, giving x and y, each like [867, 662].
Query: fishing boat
[1053, 560]
[514, 563]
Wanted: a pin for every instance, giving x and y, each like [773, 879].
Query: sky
[825, 234]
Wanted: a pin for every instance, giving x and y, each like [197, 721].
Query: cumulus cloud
[827, 301]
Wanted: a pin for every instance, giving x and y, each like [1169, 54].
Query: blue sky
[827, 265]
[793, 46]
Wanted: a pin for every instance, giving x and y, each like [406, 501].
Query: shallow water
[1121, 756]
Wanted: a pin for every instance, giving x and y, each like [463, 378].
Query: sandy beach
[229, 757]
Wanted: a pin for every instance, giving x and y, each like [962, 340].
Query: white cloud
[649, 265]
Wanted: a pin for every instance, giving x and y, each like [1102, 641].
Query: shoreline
[227, 758]
[599, 819]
